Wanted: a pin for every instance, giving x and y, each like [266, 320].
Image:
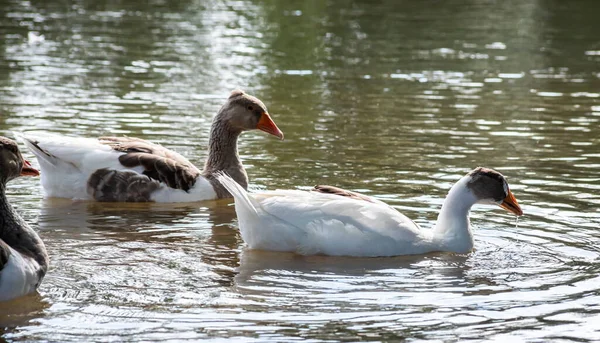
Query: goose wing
[158, 162]
[345, 193]
[317, 223]
[109, 168]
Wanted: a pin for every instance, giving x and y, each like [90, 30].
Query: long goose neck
[9, 219]
[453, 228]
[223, 156]
[15, 232]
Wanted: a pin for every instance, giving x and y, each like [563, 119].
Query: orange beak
[267, 125]
[28, 170]
[510, 204]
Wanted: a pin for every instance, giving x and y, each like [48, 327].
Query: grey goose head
[489, 186]
[244, 112]
[12, 164]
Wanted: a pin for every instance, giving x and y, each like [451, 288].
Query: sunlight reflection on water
[394, 100]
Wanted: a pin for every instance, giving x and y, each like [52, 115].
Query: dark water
[396, 99]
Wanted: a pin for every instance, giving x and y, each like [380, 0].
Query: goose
[23, 257]
[332, 221]
[124, 169]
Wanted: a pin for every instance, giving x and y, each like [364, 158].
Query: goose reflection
[257, 267]
[174, 235]
[20, 312]
[126, 221]
[397, 281]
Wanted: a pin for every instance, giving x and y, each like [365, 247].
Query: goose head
[490, 187]
[12, 163]
[244, 112]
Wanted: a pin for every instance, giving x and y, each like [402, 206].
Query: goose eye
[250, 108]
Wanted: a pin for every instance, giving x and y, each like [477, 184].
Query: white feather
[330, 224]
[317, 223]
[18, 277]
[68, 162]
[202, 190]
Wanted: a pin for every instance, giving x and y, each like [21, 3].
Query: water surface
[395, 99]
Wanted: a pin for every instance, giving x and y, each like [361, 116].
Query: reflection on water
[394, 99]
[19, 313]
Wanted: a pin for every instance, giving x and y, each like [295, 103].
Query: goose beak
[267, 125]
[510, 204]
[28, 170]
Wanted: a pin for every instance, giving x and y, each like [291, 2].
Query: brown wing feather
[159, 163]
[341, 192]
[121, 185]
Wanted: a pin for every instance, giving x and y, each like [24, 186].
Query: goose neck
[453, 228]
[6, 210]
[222, 147]
[15, 232]
[223, 156]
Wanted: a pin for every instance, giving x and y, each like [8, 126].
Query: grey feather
[118, 186]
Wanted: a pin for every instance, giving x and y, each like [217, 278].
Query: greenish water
[396, 99]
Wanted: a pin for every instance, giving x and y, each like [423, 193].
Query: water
[393, 99]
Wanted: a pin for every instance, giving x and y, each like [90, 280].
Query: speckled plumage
[132, 169]
[159, 163]
[121, 186]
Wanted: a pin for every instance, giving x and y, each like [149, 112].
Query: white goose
[332, 221]
[135, 170]
[23, 257]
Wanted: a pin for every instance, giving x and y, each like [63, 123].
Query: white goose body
[316, 223]
[20, 276]
[311, 223]
[135, 170]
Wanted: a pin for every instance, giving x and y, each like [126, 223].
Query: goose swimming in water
[23, 257]
[332, 221]
[135, 170]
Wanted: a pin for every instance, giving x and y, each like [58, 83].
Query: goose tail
[244, 203]
[44, 157]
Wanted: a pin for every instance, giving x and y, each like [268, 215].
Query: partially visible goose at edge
[135, 170]
[332, 221]
[23, 257]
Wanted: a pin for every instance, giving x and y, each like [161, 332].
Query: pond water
[395, 99]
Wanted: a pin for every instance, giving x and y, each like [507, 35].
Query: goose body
[23, 257]
[331, 221]
[92, 169]
[20, 275]
[135, 170]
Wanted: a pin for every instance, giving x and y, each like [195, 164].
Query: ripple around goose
[135, 170]
[332, 221]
